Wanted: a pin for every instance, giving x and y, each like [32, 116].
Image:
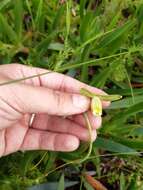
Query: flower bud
[96, 106]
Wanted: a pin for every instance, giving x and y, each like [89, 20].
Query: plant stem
[80, 160]
[24, 78]
[89, 94]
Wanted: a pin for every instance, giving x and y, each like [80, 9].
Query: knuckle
[58, 99]
[55, 142]
[63, 103]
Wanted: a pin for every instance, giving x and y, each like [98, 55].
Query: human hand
[49, 97]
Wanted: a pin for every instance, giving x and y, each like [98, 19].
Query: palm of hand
[49, 130]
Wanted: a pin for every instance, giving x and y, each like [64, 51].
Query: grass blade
[18, 20]
[4, 3]
[126, 102]
[112, 145]
[61, 185]
[7, 29]
[82, 7]
[39, 14]
[111, 37]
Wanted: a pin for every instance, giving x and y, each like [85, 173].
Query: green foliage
[100, 43]
[61, 183]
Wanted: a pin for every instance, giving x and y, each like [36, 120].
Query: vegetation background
[99, 42]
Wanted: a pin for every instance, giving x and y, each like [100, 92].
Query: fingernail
[80, 101]
[71, 143]
[106, 104]
[94, 135]
[98, 122]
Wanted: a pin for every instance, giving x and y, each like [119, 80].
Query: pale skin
[50, 97]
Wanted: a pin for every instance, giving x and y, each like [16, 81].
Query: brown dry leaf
[137, 85]
[94, 183]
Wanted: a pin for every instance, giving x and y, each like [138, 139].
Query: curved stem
[80, 160]
[39, 162]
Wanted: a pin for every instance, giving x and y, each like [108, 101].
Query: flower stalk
[96, 105]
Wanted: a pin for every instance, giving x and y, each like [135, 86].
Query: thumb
[45, 100]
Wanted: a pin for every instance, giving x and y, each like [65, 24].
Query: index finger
[53, 80]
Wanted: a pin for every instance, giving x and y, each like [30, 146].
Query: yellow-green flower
[96, 106]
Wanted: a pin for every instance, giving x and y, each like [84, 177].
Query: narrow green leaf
[26, 162]
[114, 21]
[87, 185]
[99, 80]
[4, 3]
[18, 17]
[30, 12]
[56, 46]
[51, 160]
[68, 17]
[82, 7]
[87, 27]
[112, 145]
[125, 92]
[58, 17]
[93, 38]
[61, 185]
[122, 116]
[129, 129]
[138, 131]
[50, 186]
[126, 102]
[135, 144]
[84, 70]
[43, 45]
[122, 181]
[133, 184]
[111, 37]
[7, 29]
[140, 13]
[39, 14]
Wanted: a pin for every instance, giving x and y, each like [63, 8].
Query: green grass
[100, 44]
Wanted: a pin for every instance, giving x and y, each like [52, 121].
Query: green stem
[24, 78]
[89, 94]
[77, 161]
